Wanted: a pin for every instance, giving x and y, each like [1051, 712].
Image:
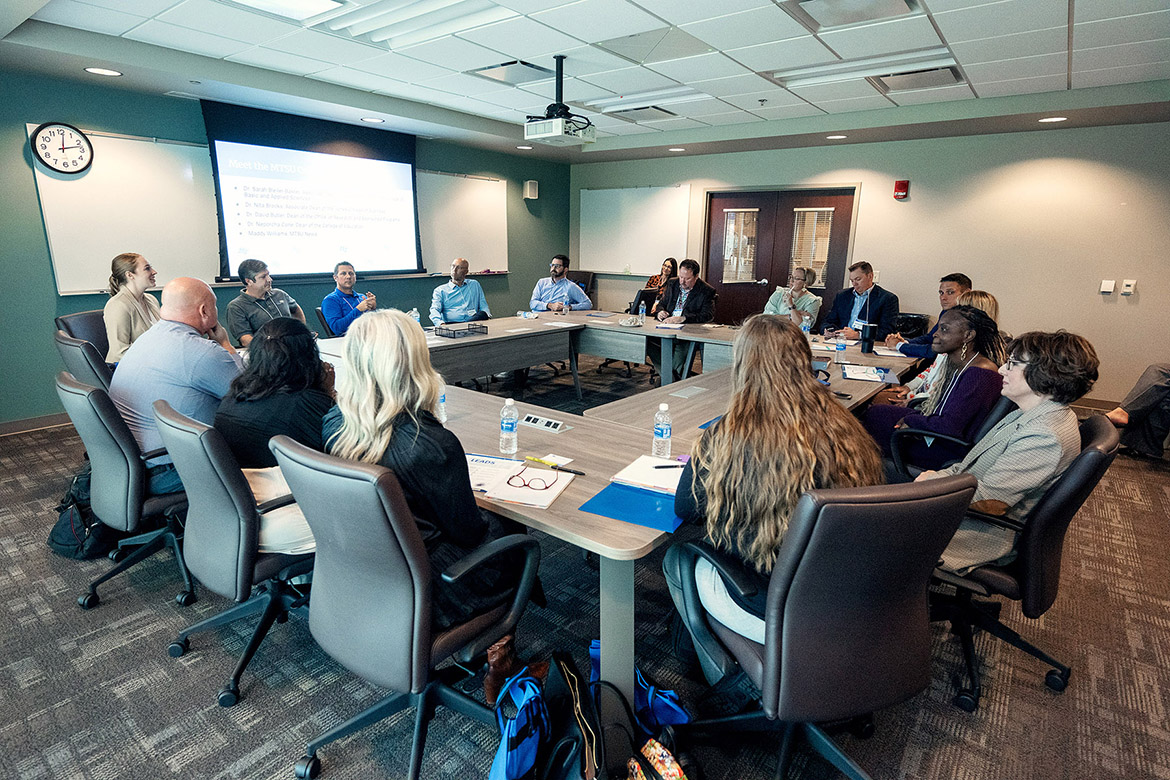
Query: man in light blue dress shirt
[459, 300]
[557, 293]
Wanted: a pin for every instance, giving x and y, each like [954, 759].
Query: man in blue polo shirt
[342, 306]
[459, 300]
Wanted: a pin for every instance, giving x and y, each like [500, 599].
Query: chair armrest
[996, 520]
[481, 555]
[528, 570]
[155, 453]
[899, 438]
[275, 503]
[729, 568]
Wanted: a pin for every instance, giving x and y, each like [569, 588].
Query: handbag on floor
[576, 750]
[523, 722]
[654, 707]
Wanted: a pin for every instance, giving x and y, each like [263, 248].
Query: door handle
[761, 281]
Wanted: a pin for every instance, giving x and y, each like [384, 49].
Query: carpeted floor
[94, 694]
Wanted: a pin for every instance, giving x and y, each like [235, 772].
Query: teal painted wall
[29, 301]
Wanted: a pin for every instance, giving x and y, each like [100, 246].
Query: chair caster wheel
[1056, 680]
[88, 600]
[861, 726]
[117, 555]
[177, 648]
[966, 701]
[229, 695]
[185, 599]
[282, 617]
[307, 767]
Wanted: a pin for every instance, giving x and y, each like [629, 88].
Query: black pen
[569, 471]
[671, 466]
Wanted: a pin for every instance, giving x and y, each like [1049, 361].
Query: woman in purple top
[959, 399]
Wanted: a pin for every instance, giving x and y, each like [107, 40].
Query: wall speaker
[531, 189]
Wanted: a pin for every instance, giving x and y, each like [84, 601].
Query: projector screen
[301, 212]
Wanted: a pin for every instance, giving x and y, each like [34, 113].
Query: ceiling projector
[559, 126]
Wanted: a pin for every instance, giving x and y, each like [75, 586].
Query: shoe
[502, 664]
[1137, 454]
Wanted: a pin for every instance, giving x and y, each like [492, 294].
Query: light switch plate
[1107, 286]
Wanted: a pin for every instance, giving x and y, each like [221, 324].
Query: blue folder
[635, 505]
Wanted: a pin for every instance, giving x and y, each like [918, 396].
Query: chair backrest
[222, 532]
[118, 475]
[88, 326]
[371, 601]
[82, 360]
[1002, 408]
[325, 324]
[1037, 565]
[646, 296]
[584, 280]
[847, 629]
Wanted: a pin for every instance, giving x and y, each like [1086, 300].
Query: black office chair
[118, 486]
[646, 296]
[82, 360]
[902, 439]
[88, 326]
[221, 544]
[584, 280]
[846, 630]
[325, 329]
[1033, 578]
[370, 607]
[911, 325]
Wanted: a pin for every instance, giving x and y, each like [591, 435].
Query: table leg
[667, 353]
[617, 625]
[573, 363]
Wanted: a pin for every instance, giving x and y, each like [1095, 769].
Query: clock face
[62, 147]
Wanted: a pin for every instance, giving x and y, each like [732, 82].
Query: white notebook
[642, 474]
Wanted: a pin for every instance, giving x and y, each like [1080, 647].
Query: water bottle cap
[509, 402]
[662, 407]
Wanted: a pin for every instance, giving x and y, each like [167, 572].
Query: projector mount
[558, 109]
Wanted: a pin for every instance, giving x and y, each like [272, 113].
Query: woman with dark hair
[782, 435]
[960, 397]
[130, 311]
[658, 281]
[1023, 455]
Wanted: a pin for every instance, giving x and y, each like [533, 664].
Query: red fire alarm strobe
[902, 189]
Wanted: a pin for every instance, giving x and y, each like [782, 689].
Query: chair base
[145, 545]
[965, 615]
[440, 690]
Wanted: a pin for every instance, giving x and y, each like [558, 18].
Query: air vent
[668, 43]
[918, 79]
[515, 72]
[643, 114]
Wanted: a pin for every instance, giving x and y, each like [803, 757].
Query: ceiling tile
[219, 19]
[1020, 68]
[357, 79]
[1152, 71]
[788, 112]
[1095, 10]
[587, 60]
[838, 90]
[871, 40]
[322, 46]
[137, 7]
[521, 38]
[573, 90]
[679, 12]
[1001, 18]
[194, 41]
[531, 6]
[461, 84]
[401, 68]
[278, 60]
[516, 99]
[1127, 29]
[410, 91]
[1021, 86]
[454, 53]
[734, 118]
[681, 123]
[630, 81]
[1050, 41]
[935, 95]
[854, 104]
[628, 128]
[776, 96]
[1121, 56]
[86, 17]
[732, 85]
[705, 66]
[747, 28]
[783, 55]
[599, 20]
[699, 108]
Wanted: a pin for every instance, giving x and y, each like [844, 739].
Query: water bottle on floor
[662, 432]
[642, 313]
[441, 413]
[509, 419]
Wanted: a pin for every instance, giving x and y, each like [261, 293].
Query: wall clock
[61, 147]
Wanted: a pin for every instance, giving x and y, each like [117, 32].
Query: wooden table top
[590, 319]
[500, 329]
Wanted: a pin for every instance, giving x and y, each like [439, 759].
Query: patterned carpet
[94, 694]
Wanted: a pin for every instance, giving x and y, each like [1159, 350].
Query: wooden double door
[753, 237]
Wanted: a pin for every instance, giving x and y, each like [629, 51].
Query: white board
[148, 196]
[462, 216]
[636, 227]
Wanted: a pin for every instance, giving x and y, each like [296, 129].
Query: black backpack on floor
[78, 533]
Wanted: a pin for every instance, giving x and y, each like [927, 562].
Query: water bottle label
[507, 426]
[661, 430]
[443, 397]
[840, 346]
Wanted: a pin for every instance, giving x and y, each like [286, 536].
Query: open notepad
[643, 474]
[869, 374]
[530, 486]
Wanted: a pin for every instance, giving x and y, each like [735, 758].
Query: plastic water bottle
[509, 419]
[442, 411]
[414, 316]
[804, 325]
[642, 313]
[839, 353]
[662, 432]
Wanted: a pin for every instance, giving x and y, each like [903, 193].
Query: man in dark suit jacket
[686, 299]
[865, 302]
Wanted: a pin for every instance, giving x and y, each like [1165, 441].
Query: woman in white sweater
[130, 311]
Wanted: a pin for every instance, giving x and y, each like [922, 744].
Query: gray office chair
[119, 482]
[88, 326]
[1033, 578]
[82, 360]
[370, 606]
[325, 329]
[846, 628]
[223, 528]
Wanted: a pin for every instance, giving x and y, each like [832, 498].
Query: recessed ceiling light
[836, 137]
[292, 9]
[373, 120]
[524, 147]
[676, 149]
[1054, 119]
[103, 72]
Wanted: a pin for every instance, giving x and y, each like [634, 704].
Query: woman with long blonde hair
[386, 399]
[783, 434]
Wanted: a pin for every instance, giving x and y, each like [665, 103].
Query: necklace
[954, 381]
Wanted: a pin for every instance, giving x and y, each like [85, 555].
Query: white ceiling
[416, 81]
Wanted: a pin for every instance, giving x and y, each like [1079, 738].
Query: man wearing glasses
[557, 293]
